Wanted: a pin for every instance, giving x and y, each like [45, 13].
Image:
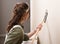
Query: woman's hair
[18, 12]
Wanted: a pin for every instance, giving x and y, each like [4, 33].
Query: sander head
[45, 17]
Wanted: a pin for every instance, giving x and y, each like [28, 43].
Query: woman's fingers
[39, 26]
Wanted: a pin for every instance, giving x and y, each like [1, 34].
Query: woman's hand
[39, 27]
[36, 30]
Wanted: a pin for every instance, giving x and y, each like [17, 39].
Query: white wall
[50, 33]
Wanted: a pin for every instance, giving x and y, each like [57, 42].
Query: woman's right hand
[39, 27]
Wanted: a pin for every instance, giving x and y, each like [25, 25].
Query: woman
[15, 31]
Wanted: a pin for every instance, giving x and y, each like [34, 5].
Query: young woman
[15, 31]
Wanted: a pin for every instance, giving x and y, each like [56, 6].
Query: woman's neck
[21, 22]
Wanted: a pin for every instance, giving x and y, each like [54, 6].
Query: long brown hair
[18, 12]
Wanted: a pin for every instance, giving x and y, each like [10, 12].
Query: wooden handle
[36, 33]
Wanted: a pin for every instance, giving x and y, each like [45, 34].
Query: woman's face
[27, 16]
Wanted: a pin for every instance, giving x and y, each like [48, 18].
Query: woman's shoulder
[16, 27]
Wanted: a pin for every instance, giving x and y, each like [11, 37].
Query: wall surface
[50, 33]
